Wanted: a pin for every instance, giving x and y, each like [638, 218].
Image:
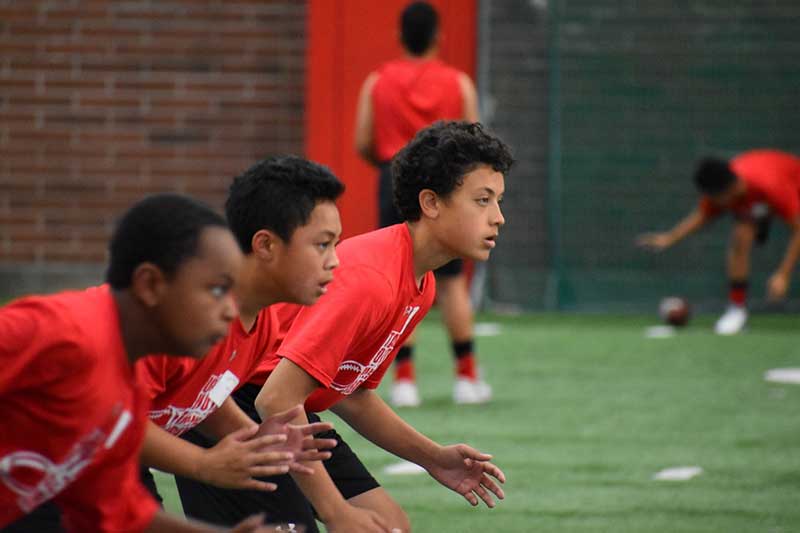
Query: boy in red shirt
[283, 214]
[73, 420]
[449, 182]
[396, 101]
[754, 186]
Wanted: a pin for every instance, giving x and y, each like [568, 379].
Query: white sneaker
[405, 394]
[732, 321]
[467, 391]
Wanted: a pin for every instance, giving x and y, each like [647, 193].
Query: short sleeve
[707, 208]
[323, 334]
[151, 375]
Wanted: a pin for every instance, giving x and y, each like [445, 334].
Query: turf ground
[587, 409]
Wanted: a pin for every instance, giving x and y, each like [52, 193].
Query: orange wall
[347, 39]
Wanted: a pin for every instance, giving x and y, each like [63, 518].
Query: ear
[429, 203]
[264, 244]
[148, 284]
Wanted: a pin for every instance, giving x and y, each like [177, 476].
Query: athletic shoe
[468, 391]
[405, 394]
[732, 321]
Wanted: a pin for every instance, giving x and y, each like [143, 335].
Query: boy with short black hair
[449, 183]
[73, 418]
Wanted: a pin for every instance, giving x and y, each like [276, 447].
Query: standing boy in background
[754, 186]
[400, 98]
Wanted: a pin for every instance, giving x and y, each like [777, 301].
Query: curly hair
[439, 157]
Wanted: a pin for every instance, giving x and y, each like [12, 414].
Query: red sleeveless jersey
[409, 95]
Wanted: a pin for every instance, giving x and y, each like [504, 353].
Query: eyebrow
[329, 233]
[490, 191]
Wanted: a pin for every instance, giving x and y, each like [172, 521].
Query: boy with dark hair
[397, 100]
[73, 419]
[334, 353]
[283, 215]
[754, 186]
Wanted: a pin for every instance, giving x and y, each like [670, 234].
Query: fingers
[267, 471]
[263, 486]
[485, 496]
[300, 468]
[471, 498]
[488, 483]
[266, 440]
[319, 444]
[271, 458]
[494, 471]
[472, 453]
[313, 455]
[316, 427]
[242, 434]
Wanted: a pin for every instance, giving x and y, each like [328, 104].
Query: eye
[219, 291]
[323, 245]
[483, 201]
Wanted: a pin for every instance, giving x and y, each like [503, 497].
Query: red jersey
[184, 391]
[349, 338]
[773, 185]
[72, 419]
[408, 95]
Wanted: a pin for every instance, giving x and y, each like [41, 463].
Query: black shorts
[287, 504]
[389, 216]
[47, 517]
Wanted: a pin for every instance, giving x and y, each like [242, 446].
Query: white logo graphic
[56, 477]
[365, 371]
[182, 419]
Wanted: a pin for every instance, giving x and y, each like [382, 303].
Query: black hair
[438, 157]
[278, 194]
[163, 229]
[418, 24]
[713, 176]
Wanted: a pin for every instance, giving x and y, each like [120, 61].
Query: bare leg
[381, 502]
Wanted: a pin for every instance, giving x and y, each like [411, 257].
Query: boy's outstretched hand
[469, 473]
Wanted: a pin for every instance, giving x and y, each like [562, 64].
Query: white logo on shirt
[212, 395]
[56, 477]
[365, 371]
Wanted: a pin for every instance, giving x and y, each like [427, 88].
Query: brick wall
[103, 102]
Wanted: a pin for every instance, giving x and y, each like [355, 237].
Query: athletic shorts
[287, 504]
[389, 216]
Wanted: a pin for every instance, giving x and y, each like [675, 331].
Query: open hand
[655, 242]
[299, 438]
[241, 456]
[777, 286]
[469, 473]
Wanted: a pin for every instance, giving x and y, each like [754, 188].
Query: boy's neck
[428, 252]
[251, 297]
[140, 336]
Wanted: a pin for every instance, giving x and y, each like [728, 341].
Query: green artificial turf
[587, 409]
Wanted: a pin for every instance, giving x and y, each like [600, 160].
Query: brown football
[674, 310]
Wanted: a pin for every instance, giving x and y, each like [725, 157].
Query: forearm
[318, 487]
[225, 420]
[792, 254]
[168, 453]
[693, 222]
[368, 414]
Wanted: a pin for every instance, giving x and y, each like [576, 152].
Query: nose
[230, 310]
[334, 260]
[499, 218]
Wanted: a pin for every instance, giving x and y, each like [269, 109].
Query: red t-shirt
[773, 185]
[349, 338]
[184, 391]
[72, 419]
[408, 95]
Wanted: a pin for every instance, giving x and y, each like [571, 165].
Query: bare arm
[661, 241]
[778, 284]
[470, 98]
[287, 386]
[225, 420]
[458, 467]
[364, 134]
[231, 463]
